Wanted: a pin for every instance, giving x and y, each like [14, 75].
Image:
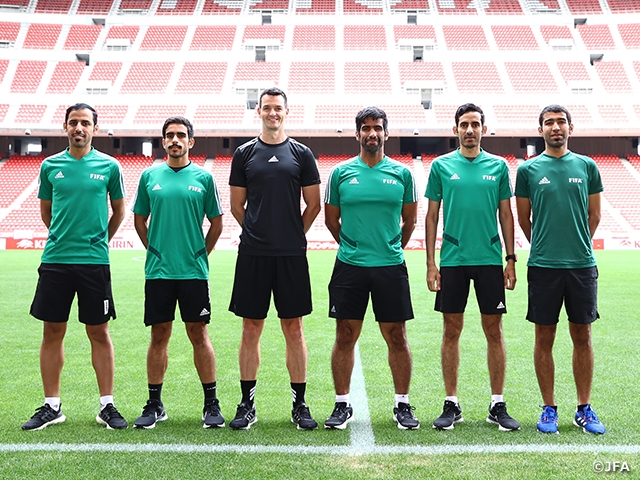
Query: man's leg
[543, 361]
[203, 354]
[582, 360]
[342, 356]
[102, 356]
[158, 352]
[52, 357]
[249, 353]
[296, 347]
[496, 352]
[450, 351]
[395, 334]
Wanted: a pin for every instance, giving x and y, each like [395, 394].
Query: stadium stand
[123, 32]
[573, 71]
[219, 114]
[477, 77]
[410, 5]
[364, 37]
[94, 7]
[147, 77]
[421, 71]
[176, 7]
[28, 76]
[82, 37]
[42, 36]
[53, 6]
[164, 37]
[105, 71]
[65, 77]
[15, 175]
[314, 37]
[3, 111]
[584, 6]
[418, 32]
[504, 7]
[353, 74]
[111, 114]
[555, 32]
[531, 77]
[524, 114]
[315, 7]
[3, 69]
[465, 37]
[514, 37]
[270, 5]
[157, 114]
[613, 77]
[213, 7]
[624, 187]
[269, 72]
[623, 6]
[362, 7]
[30, 113]
[9, 32]
[134, 6]
[612, 113]
[261, 32]
[201, 78]
[312, 77]
[596, 37]
[210, 37]
[630, 34]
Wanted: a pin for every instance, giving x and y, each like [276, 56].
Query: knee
[397, 338]
[293, 331]
[99, 333]
[346, 337]
[251, 332]
[198, 334]
[160, 334]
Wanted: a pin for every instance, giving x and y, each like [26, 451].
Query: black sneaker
[301, 416]
[245, 417]
[340, 416]
[44, 416]
[499, 416]
[403, 414]
[111, 418]
[211, 415]
[152, 412]
[451, 413]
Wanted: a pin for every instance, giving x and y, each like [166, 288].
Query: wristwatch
[513, 257]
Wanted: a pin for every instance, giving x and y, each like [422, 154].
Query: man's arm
[238, 200]
[431, 226]
[140, 224]
[215, 229]
[409, 218]
[45, 212]
[524, 216]
[332, 220]
[117, 216]
[594, 213]
[506, 225]
[311, 197]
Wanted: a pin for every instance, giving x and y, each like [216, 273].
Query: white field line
[319, 450]
[361, 430]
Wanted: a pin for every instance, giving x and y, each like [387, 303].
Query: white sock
[452, 398]
[343, 399]
[105, 400]
[496, 399]
[402, 398]
[53, 402]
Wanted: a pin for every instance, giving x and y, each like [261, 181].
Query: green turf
[615, 392]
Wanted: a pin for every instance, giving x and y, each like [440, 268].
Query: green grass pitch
[180, 448]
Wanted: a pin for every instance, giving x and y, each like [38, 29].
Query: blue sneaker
[548, 422]
[588, 421]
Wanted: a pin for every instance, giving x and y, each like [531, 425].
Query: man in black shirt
[268, 174]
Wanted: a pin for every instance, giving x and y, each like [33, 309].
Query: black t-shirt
[273, 176]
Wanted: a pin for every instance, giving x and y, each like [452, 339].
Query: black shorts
[160, 297]
[350, 287]
[488, 282]
[58, 285]
[549, 287]
[257, 276]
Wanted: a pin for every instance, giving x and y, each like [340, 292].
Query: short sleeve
[212, 206]
[410, 188]
[141, 205]
[116, 181]
[45, 189]
[595, 181]
[506, 190]
[434, 185]
[522, 184]
[332, 191]
[310, 174]
[238, 176]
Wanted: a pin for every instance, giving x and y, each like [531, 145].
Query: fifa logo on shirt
[489, 177]
[575, 180]
[96, 176]
[389, 181]
[195, 189]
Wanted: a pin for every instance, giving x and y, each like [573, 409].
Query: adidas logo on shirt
[454, 177]
[354, 181]
[59, 174]
[273, 159]
[204, 312]
[156, 187]
[500, 306]
[544, 181]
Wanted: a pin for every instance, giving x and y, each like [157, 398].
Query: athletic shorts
[549, 287]
[351, 285]
[160, 297]
[488, 282]
[58, 285]
[257, 276]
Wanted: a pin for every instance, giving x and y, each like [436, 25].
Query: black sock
[248, 391]
[155, 391]
[209, 392]
[581, 407]
[555, 407]
[298, 390]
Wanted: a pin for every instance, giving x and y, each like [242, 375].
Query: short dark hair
[81, 106]
[274, 92]
[182, 121]
[555, 109]
[466, 108]
[373, 113]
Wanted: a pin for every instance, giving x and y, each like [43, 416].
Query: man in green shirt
[371, 205]
[558, 199]
[178, 195]
[75, 187]
[473, 186]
